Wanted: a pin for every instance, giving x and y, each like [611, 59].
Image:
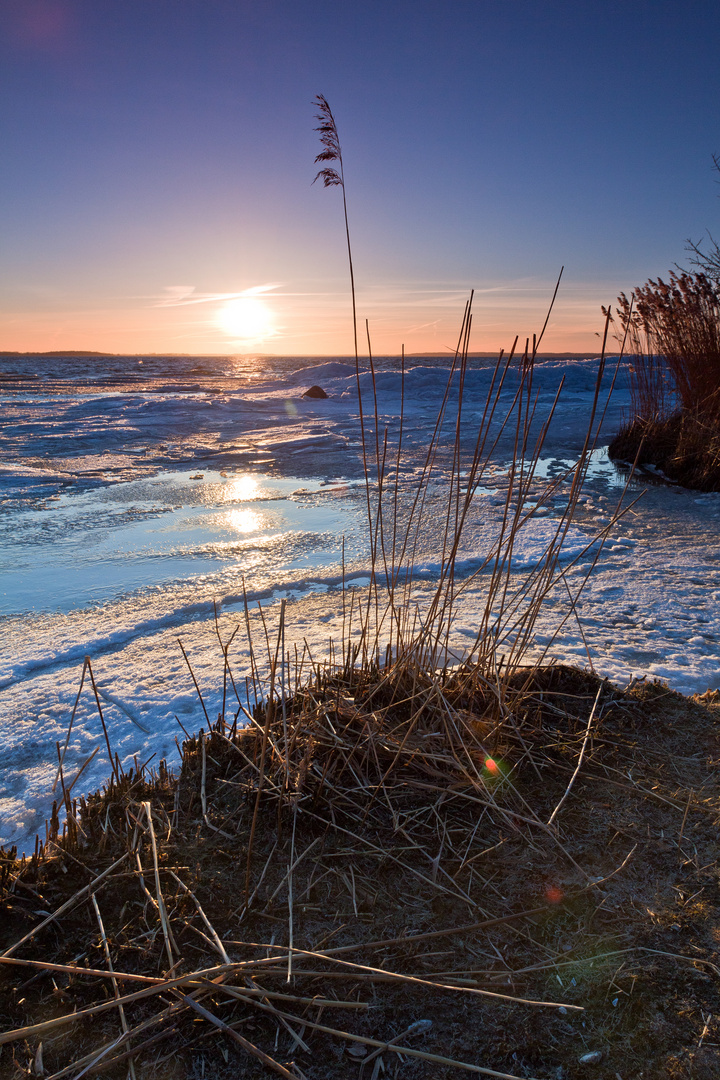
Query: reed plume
[328, 132]
[327, 129]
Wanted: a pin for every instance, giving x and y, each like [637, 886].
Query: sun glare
[245, 521]
[246, 318]
[241, 488]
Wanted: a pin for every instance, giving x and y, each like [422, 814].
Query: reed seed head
[327, 130]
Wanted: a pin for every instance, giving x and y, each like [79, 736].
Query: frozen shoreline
[110, 547]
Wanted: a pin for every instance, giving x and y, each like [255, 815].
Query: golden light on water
[245, 521]
[246, 318]
[241, 488]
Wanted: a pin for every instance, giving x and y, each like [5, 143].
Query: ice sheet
[140, 495]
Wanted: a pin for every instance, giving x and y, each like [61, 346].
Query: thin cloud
[182, 295]
[422, 326]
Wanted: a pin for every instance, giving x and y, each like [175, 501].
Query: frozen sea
[141, 495]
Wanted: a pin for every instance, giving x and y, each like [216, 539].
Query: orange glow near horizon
[300, 323]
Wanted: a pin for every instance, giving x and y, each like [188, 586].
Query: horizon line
[483, 354]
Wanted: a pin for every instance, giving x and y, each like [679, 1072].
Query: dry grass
[402, 869]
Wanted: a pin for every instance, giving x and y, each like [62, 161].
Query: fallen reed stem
[158, 891]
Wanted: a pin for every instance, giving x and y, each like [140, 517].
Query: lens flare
[494, 770]
[553, 894]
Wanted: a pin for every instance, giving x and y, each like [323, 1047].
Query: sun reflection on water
[241, 488]
[244, 521]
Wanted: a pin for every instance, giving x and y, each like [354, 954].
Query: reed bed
[672, 330]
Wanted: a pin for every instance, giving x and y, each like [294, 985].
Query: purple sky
[157, 152]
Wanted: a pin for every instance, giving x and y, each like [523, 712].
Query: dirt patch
[375, 865]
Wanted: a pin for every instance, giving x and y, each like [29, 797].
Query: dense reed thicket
[672, 330]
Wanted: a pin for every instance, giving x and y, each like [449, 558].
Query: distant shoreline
[69, 353]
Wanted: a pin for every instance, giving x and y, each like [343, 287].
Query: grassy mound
[396, 873]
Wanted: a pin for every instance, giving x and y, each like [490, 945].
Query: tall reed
[390, 621]
[403, 516]
[332, 151]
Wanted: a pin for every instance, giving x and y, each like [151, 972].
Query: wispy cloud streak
[183, 295]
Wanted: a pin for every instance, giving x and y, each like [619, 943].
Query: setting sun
[246, 318]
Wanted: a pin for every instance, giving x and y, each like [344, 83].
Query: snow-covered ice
[141, 495]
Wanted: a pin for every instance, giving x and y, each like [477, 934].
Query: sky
[158, 155]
